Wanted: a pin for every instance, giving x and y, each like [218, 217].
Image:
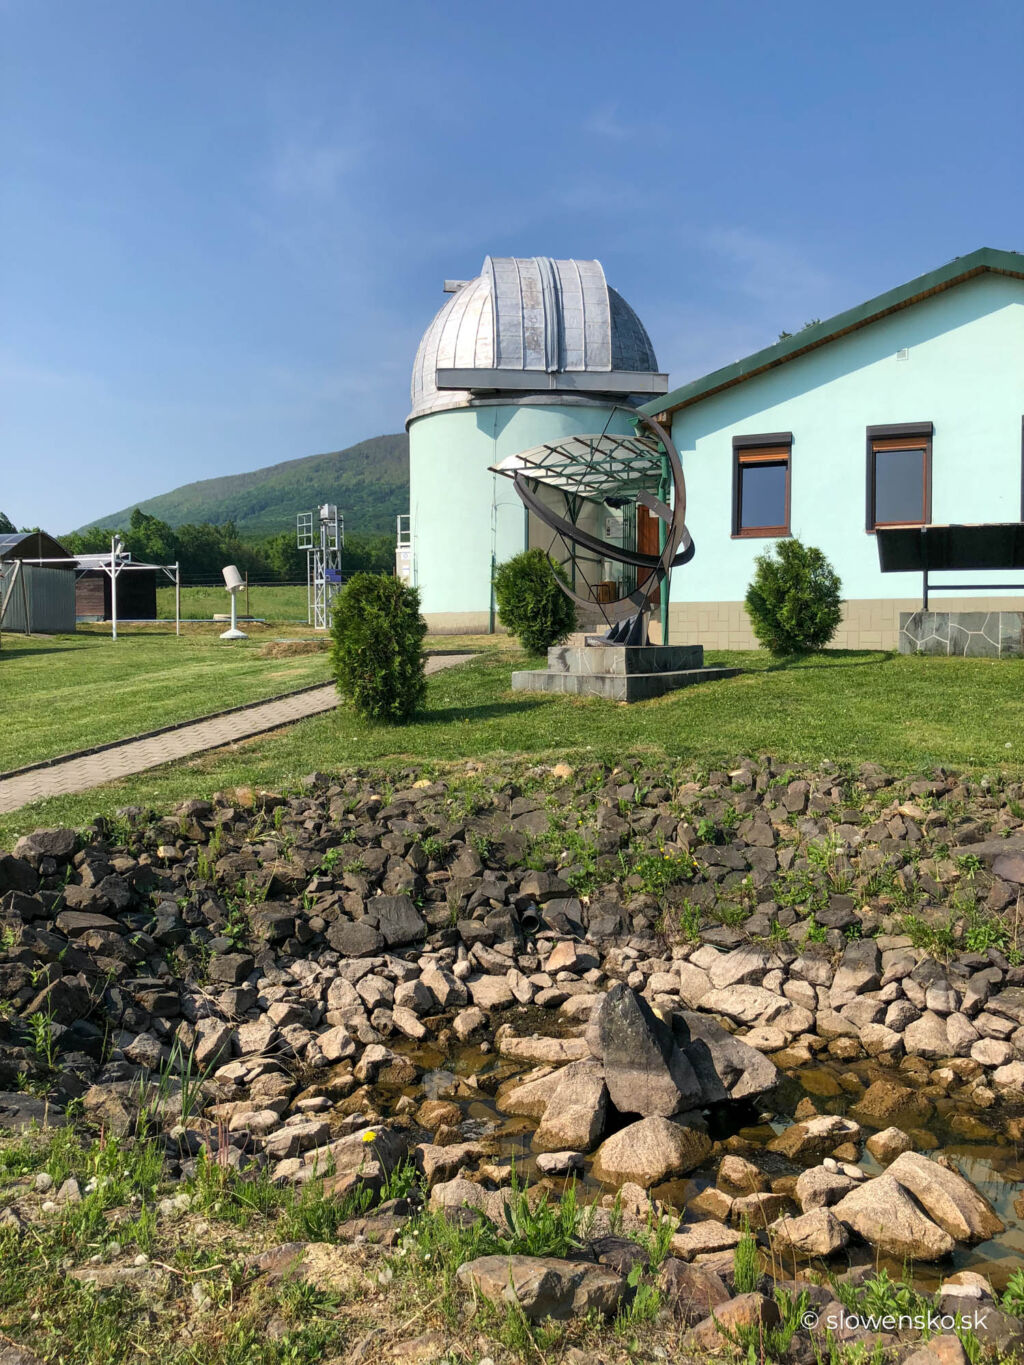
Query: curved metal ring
[678, 548]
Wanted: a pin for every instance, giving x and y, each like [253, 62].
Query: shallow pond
[469, 1076]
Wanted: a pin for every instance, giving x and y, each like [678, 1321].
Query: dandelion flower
[369, 1135]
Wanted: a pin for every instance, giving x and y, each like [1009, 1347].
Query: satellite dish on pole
[233, 581]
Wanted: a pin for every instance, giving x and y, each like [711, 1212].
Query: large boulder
[574, 1116]
[726, 1067]
[884, 1214]
[644, 1070]
[649, 1152]
[947, 1198]
[545, 1286]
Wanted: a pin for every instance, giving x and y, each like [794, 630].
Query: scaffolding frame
[322, 535]
[113, 565]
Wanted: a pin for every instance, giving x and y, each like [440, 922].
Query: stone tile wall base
[968, 634]
[868, 623]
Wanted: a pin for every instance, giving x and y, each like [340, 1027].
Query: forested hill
[369, 482]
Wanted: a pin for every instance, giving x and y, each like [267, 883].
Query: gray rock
[559, 1163]
[491, 992]
[690, 1292]
[545, 1286]
[357, 938]
[947, 1198]
[815, 1233]
[574, 1116]
[649, 1151]
[890, 1143]
[20, 1112]
[927, 1037]
[726, 1067]
[858, 971]
[644, 1070]
[883, 1213]
[820, 1188]
[446, 989]
[397, 919]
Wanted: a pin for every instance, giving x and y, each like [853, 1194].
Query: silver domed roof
[533, 325]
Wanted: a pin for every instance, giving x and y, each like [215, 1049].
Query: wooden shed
[136, 592]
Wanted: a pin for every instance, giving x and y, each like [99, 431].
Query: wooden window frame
[774, 447]
[899, 436]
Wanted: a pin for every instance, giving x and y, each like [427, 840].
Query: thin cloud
[770, 270]
[300, 169]
[606, 121]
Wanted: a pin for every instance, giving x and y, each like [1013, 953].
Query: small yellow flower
[369, 1135]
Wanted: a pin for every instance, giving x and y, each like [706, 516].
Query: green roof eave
[957, 270]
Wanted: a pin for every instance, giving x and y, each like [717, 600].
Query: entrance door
[648, 529]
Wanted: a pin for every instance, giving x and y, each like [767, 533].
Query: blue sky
[224, 224]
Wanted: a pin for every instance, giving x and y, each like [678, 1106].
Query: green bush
[531, 604]
[794, 600]
[377, 647]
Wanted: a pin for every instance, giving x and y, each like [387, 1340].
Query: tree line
[203, 549]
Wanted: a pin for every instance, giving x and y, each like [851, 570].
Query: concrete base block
[615, 686]
[624, 660]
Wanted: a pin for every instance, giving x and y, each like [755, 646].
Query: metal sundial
[643, 470]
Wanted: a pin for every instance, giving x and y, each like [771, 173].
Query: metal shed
[36, 598]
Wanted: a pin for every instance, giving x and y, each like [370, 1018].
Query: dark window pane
[762, 496]
[899, 485]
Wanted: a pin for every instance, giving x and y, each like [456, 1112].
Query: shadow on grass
[6, 652]
[490, 711]
[837, 658]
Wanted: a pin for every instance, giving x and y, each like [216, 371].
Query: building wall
[49, 595]
[453, 496]
[964, 372]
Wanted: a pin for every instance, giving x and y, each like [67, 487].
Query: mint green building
[908, 410]
[905, 411]
[531, 350]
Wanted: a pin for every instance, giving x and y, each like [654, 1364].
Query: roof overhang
[961, 268]
[908, 549]
[598, 467]
[570, 381]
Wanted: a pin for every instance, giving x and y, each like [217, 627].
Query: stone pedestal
[619, 672]
[969, 634]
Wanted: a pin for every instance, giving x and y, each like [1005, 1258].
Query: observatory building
[530, 351]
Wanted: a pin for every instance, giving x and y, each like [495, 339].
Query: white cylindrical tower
[531, 350]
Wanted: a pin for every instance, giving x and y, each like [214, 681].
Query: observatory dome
[532, 325]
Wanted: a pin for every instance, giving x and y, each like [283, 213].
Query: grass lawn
[904, 712]
[65, 692]
[275, 603]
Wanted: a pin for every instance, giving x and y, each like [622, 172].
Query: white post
[113, 589]
[177, 599]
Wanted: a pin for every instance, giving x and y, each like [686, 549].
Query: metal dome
[533, 325]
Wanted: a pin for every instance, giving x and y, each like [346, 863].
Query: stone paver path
[136, 755]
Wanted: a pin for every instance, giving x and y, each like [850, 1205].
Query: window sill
[763, 533]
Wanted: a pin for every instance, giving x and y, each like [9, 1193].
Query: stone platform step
[615, 686]
[624, 660]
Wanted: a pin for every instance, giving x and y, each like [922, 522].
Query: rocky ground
[515, 1062]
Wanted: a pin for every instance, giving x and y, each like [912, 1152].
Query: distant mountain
[368, 481]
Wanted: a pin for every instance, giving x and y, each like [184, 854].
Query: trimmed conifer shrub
[531, 604]
[794, 599]
[377, 647]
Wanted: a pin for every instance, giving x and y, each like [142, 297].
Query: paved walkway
[136, 755]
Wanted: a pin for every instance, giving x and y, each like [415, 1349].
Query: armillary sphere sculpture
[615, 471]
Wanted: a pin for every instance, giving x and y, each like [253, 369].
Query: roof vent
[453, 286]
